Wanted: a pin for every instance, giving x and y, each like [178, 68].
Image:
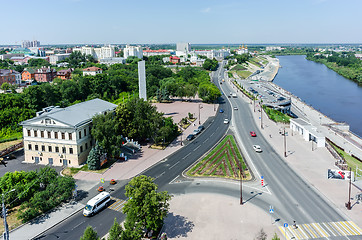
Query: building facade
[27, 74]
[62, 136]
[97, 53]
[65, 74]
[134, 51]
[53, 59]
[45, 74]
[10, 76]
[92, 71]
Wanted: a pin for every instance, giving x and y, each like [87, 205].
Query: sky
[172, 21]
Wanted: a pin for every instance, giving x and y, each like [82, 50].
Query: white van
[96, 204]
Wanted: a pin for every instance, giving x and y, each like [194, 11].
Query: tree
[5, 86]
[115, 233]
[93, 160]
[89, 234]
[38, 62]
[275, 237]
[146, 208]
[261, 235]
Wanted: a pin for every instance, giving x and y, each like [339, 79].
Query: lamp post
[254, 103]
[199, 113]
[261, 116]
[241, 184]
[6, 228]
[348, 204]
[285, 144]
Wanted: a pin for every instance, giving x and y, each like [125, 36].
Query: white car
[235, 108]
[226, 121]
[257, 148]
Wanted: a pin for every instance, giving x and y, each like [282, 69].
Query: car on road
[226, 121]
[235, 108]
[253, 134]
[257, 148]
[221, 111]
[196, 132]
[201, 127]
[190, 137]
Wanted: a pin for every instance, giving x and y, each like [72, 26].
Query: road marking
[212, 134]
[196, 148]
[322, 230]
[186, 155]
[205, 140]
[159, 175]
[117, 205]
[174, 165]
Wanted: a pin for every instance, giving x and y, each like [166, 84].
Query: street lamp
[285, 144]
[261, 116]
[199, 113]
[6, 228]
[348, 204]
[241, 184]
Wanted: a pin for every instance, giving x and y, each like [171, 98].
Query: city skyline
[197, 22]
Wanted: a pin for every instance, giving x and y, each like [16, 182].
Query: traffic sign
[285, 225]
[261, 177]
[271, 209]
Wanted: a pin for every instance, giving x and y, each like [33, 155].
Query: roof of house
[174, 57]
[75, 115]
[6, 72]
[64, 71]
[92, 69]
[30, 70]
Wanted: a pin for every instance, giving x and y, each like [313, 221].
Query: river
[331, 94]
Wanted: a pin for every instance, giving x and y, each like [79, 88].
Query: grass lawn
[243, 74]
[12, 220]
[276, 116]
[8, 144]
[12, 137]
[71, 171]
[352, 162]
[238, 67]
[221, 162]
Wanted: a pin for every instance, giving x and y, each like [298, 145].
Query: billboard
[339, 174]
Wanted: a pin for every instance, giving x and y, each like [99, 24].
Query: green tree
[93, 159]
[146, 208]
[5, 86]
[38, 62]
[89, 234]
[275, 237]
[115, 232]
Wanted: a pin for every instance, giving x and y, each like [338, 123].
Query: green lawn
[238, 67]
[243, 74]
[276, 115]
[352, 162]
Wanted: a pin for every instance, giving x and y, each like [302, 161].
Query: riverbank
[269, 72]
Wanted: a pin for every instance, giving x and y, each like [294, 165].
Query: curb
[57, 223]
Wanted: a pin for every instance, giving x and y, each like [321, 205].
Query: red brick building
[27, 74]
[45, 74]
[7, 75]
[65, 74]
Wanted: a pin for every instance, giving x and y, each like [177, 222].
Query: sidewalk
[311, 165]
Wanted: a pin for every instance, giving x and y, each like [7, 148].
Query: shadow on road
[249, 199]
[177, 226]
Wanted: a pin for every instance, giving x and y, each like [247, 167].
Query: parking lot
[16, 164]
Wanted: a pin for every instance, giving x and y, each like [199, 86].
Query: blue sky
[170, 21]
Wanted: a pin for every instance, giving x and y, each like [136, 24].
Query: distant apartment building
[272, 48]
[183, 47]
[92, 71]
[62, 136]
[45, 74]
[37, 51]
[211, 54]
[10, 55]
[65, 74]
[29, 44]
[9, 76]
[114, 60]
[134, 51]
[97, 53]
[148, 53]
[53, 59]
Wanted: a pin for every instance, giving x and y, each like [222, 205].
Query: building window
[48, 133]
[29, 133]
[70, 136]
[63, 150]
[71, 150]
[86, 146]
[81, 149]
[36, 148]
[63, 135]
[43, 148]
[50, 148]
[85, 132]
[56, 135]
[69, 161]
[35, 133]
[29, 146]
[42, 134]
[80, 134]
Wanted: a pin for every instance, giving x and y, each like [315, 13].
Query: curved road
[292, 198]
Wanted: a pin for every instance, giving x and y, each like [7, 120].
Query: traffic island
[224, 161]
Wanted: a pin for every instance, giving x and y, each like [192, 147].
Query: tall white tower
[142, 80]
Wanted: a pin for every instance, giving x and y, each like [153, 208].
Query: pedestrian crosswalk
[117, 205]
[321, 230]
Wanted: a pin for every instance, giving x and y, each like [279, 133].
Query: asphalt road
[292, 198]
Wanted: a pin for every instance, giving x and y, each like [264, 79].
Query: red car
[252, 134]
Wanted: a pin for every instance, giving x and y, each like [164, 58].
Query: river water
[326, 91]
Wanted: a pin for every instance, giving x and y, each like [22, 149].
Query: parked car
[221, 111]
[253, 134]
[196, 131]
[190, 137]
[235, 108]
[257, 148]
[201, 127]
[226, 121]
[10, 156]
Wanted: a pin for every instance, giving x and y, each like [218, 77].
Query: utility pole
[348, 204]
[241, 183]
[261, 116]
[285, 144]
[199, 114]
[6, 227]
[254, 104]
